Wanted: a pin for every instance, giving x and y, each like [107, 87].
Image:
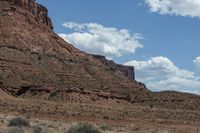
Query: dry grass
[46, 126]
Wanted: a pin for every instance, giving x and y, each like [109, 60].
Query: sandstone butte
[46, 77]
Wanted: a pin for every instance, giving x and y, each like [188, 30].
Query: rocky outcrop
[42, 14]
[128, 71]
[38, 10]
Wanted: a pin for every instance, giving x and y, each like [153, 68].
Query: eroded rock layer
[36, 63]
[38, 10]
[34, 60]
[128, 71]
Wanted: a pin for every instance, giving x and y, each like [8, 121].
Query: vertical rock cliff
[38, 10]
[128, 71]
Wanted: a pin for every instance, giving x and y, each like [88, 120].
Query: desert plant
[83, 128]
[14, 130]
[40, 129]
[19, 122]
[37, 129]
[105, 127]
[53, 94]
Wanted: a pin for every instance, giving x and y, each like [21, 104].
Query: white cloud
[97, 39]
[159, 73]
[175, 7]
[197, 63]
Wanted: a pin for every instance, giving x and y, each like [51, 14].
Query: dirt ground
[121, 117]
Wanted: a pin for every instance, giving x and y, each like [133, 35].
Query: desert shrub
[83, 128]
[54, 93]
[105, 127]
[37, 129]
[14, 130]
[91, 70]
[19, 122]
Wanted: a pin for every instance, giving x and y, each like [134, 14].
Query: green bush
[83, 128]
[105, 127]
[19, 122]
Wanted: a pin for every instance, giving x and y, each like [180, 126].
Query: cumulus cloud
[159, 73]
[197, 62]
[175, 7]
[97, 39]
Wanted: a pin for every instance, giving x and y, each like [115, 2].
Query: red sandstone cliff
[35, 60]
[128, 71]
[38, 10]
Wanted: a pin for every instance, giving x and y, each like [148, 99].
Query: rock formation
[128, 71]
[35, 59]
[38, 10]
[42, 76]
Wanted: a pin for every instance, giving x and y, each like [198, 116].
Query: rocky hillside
[42, 76]
[34, 60]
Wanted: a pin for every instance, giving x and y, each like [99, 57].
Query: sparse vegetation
[37, 129]
[105, 127]
[112, 69]
[39, 58]
[19, 122]
[14, 130]
[151, 105]
[91, 70]
[83, 128]
[53, 94]
[128, 97]
[136, 129]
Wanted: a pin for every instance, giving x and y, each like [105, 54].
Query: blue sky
[148, 34]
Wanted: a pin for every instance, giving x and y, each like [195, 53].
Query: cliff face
[128, 71]
[34, 59]
[38, 10]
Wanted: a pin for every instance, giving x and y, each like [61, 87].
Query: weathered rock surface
[38, 10]
[35, 62]
[35, 59]
[128, 71]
